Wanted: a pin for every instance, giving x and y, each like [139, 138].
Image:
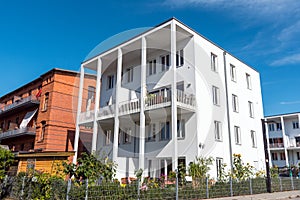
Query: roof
[126, 36]
[45, 154]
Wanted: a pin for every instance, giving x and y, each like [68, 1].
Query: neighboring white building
[284, 139]
[168, 95]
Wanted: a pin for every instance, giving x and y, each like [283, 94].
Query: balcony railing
[19, 103]
[87, 116]
[107, 111]
[17, 133]
[128, 107]
[186, 99]
[156, 100]
[276, 145]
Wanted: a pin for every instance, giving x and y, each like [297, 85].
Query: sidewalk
[295, 194]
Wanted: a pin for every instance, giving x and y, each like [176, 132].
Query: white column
[117, 123]
[97, 99]
[142, 99]
[166, 169]
[174, 96]
[268, 143]
[285, 143]
[77, 132]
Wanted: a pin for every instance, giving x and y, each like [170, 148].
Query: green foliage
[240, 171]
[6, 159]
[274, 171]
[91, 167]
[199, 169]
[222, 175]
[138, 173]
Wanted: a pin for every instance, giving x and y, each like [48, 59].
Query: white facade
[284, 139]
[169, 95]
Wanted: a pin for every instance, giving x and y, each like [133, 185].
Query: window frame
[110, 82]
[237, 135]
[214, 62]
[248, 80]
[129, 72]
[151, 133]
[165, 62]
[216, 95]
[251, 109]
[164, 131]
[181, 129]
[295, 124]
[151, 67]
[233, 72]
[253, 138]
[179, 58]
[46, 101]
[235, 103]
[218, 130]
[108, 137]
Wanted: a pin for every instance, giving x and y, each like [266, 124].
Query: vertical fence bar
[23, 185]
[292, 183]
[250, 184]
[176, 197]
[68, 188]
[86, 189]
[280, 183]
[138, 188]
[207, 192]
[231, 190]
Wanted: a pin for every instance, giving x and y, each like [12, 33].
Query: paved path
[295, 195]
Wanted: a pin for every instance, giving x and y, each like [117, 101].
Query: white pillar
[268, 143]
[142, 100]
[285, 143]
[166, 168]
[174, 96]
[116, 120]
[97, 99]
[77, 131]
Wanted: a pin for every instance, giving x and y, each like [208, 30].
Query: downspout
[227, 111]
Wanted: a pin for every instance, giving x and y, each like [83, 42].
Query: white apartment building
[168, 95]
[284, 139]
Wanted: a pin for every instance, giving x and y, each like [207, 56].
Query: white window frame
[151, 132]
[219, 163]
[274, 156]
[126, 136]
[214, 62]
[216, 95]
[235, 103]
[129, 72]
[251, 109]
[152, 67]
[165, 65]
[295, 124]
[181, 129]
[233, 72]
[282, 156]
[179, 58]
[271, 127]
[110, 82]
[108, 136]
[248, 80]
[218, 130]
[237, 135]
[253, 138]
[278, 126]
[163, 131]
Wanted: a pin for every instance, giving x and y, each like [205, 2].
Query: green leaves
[6, 159]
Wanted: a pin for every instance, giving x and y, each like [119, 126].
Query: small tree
[199, 169]
[6, 160]
[241, 171]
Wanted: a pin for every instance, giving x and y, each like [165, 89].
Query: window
[129, 74]
[271, 127]
[179, 58]
[214, 63]
[165, 131]
[108, 137]
[282, 156]
[181, 129]
[165, 62]
[151, 132]
[46, 100]
[274, 156]
[298, 155]
[251, 109]
[295, 125]
[91, 92]
[237, 135]
[216, 95]
[248, 79]
[218, 130]
[43, 130]
[152, 67]
[110, 82]
[127, 136]
[279, 126]
[219, 162]
[253, 138]
[235, 103]
[233, 72]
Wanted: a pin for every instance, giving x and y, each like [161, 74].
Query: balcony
[17, 133]
[23, 102]
[276, 145]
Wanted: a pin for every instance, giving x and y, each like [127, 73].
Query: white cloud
[289, 102]
[287, 60]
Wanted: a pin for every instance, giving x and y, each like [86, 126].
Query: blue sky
[38, 35]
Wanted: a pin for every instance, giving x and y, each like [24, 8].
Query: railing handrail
[19, 102]
[278, 145]
[17, 131]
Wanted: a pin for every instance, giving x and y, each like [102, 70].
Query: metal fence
[29, 188]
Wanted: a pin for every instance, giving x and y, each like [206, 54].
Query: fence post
[231, 190]
[280, 183]
[207, 191]
[68, 188]
[86, 189]
[250, 182]
[176, 171]
[138, 188]
[23, 185]
[292, 183]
